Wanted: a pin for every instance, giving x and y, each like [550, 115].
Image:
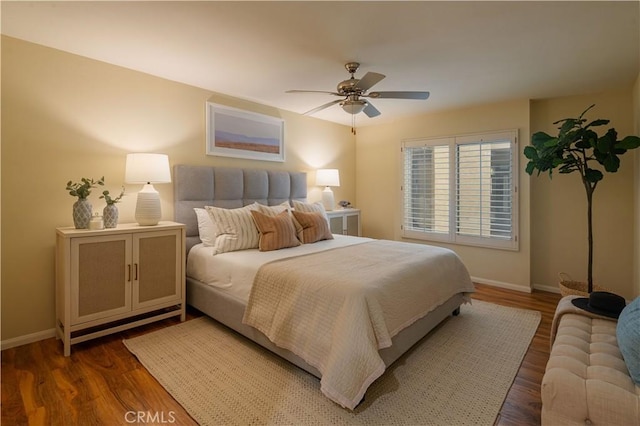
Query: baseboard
[549, 288]
[28, 338]
[501, 284]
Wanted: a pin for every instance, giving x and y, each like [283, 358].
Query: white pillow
[206, 228]
[235, 228]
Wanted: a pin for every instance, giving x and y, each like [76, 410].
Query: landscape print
[237, 133]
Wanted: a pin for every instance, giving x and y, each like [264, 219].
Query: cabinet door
[336, 225]
[100, 277]
[353, 225]
[157, 268]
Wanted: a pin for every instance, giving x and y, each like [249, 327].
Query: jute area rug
[458, 375]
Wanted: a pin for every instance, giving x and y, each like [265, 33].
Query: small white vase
[110, 216]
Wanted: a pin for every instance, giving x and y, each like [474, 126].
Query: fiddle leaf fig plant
[578, 148]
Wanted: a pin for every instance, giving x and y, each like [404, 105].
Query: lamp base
[148, 210]
[327, 199]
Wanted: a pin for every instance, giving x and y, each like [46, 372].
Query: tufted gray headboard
[199, 186]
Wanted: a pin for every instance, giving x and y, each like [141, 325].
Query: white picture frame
[236, 133]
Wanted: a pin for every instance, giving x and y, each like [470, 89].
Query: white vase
[82, 211]
[110, 216]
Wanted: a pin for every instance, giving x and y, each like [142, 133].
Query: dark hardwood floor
[522, 405]
[101, 383]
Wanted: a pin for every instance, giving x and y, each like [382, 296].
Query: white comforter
[337, 308]
[233, 272]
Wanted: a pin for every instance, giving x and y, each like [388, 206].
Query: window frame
[452, 236]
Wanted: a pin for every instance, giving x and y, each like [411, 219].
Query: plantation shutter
[484, 189]
[427, 183]
[462, 189]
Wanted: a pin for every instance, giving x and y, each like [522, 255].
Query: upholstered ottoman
[586, 381]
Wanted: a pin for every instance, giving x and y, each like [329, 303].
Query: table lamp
[147, 169]
[328, 178]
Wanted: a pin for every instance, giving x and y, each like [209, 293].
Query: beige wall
[558, 205]
[65, 117]
[378, 182]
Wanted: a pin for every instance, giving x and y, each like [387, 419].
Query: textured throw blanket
[335, 309]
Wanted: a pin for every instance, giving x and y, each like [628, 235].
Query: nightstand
[110, 280]
[345, 221]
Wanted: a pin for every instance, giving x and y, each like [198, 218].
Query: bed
[244, 289]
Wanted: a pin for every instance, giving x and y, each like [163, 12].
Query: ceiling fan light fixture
[353, 107]
[353, 89]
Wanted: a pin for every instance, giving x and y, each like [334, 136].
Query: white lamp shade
[327, 177]
[147, 168]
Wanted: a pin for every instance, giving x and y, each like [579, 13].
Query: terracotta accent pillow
[314, 227]
[310, 207]
[276, 232]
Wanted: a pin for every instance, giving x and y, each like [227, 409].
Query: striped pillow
[235, 228]
[273, 210]
[314, 227]
[276, 232]
[308, 208]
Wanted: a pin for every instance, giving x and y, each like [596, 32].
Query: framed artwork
[232, 132]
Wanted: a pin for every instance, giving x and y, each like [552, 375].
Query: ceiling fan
[353, 90]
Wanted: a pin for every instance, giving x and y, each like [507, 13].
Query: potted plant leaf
[578, 148]
[82, 209]
[110, 211]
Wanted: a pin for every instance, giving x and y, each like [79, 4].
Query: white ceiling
[464, 53]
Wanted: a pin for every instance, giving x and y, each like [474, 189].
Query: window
[462, 190]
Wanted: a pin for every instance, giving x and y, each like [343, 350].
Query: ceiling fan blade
[370, 110]
[321, 107]
[398, 95]
[369, 80]
[313, 91]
